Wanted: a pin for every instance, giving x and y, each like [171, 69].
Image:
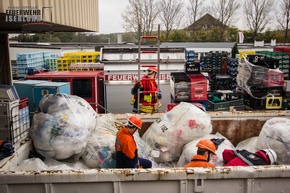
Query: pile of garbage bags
[67, 130]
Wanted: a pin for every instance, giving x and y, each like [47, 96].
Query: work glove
[217, 141]
[6, 150]
[159, 95]
[132, 100]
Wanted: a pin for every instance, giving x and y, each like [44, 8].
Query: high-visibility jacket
[126, 149]
[148, 96]
[199, 161]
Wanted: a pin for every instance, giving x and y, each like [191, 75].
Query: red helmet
[152, 68]
[206, 144]
[136, 121]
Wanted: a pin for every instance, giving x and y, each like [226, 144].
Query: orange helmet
[206, 144]
[152, 68]
[136, 121]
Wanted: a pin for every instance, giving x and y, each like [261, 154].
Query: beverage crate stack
[263, 82]
[190, 56]
[9, 114]
[282, 58]
[190, 88]
[214, 63]
[232, 71]
[51, 61]
[286, 95]
[70, 61]
[28, 63]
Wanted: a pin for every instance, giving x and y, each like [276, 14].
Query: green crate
[218, 106]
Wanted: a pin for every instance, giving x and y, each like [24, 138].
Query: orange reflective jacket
[199, 161]
[126, 149]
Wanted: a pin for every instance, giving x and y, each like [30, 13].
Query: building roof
[204, 23]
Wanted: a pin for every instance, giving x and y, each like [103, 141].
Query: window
[82, 88]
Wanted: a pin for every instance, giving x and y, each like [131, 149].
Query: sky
[110, 20]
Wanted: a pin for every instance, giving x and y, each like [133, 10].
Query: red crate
[198, 87]
[23, 102]
[274, 79]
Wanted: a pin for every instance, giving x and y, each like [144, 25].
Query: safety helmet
[136, 121]
[271, 154]
[206, 144]
[152, 68]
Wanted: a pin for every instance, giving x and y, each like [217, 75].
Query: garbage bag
[100, 150]
[248, 144]
[174, 129]
[61, 129]
[275, 134]
[190, 150]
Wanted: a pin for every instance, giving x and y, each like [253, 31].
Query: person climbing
[247, 158]
[126, 148]
[149, 93]
[205, 150]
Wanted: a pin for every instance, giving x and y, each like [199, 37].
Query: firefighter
[126, 148]
[205, 150]
[149, 95]
[246, 158]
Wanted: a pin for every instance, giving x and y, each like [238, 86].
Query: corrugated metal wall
[82, 14]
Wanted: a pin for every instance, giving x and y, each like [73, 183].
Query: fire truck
[109, 89]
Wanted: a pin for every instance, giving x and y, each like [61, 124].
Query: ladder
[143, 63]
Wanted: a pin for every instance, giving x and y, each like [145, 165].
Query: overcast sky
[110, 20]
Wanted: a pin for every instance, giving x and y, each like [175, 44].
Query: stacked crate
[9, 114]
[282, 58]
[70, 60]
[51, 61]
[28, 63]
[262, 80]
[214, 63]
[190, 88]
[232, 71]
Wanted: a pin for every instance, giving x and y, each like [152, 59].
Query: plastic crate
[274, 102]
[218, 106]
[9, 121]
[198, 88]
[24, 120]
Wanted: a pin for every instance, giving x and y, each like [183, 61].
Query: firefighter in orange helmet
[126, 148]
[205, 149]
[149, 95]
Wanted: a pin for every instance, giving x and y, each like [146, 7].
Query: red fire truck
[86, 84]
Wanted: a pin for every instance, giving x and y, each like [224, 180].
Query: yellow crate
[244, 53]
[274, 102]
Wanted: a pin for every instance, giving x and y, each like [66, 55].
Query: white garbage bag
[190, 150]
[248, 144]
[100, 149]
[61, 129]
[275, 134]
[176, 128]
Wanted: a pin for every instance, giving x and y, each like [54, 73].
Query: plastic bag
[100, 150]
[61, 129]
[275, 134]
[190, 150]
[248, 144]
[176, 128]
